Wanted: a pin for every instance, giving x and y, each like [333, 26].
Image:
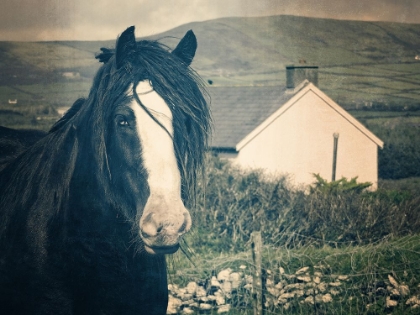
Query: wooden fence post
[334, 166]
[256, 245]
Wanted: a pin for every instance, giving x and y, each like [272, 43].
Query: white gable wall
[299, 142]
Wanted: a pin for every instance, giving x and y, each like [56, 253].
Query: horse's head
[156, 135]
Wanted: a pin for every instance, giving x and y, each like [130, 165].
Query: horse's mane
[42, 175]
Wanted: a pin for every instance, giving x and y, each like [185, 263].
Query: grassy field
[353, 87]
[38, 104]
[362, 86]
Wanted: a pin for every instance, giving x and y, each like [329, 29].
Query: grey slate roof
[238, 110]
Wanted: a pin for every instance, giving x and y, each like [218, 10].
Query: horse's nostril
[186, 225]
[148, 229]
[145, 235]
[182, 228]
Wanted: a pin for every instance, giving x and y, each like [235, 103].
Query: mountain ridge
[255, 51]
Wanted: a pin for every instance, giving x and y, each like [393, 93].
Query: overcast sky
[36, 20]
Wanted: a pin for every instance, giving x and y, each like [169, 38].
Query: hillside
[361, 63]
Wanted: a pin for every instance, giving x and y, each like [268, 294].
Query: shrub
[340, 185]
[235, 203]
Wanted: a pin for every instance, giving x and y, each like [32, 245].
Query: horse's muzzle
[163, 224]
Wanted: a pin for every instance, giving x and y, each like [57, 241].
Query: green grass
[384, 83]
[59, 93]
[27, 121]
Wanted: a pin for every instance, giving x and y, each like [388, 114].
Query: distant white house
[13, 102]
[296, 130]
[71, 75]
[62, 110]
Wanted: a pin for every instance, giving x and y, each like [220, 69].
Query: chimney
[295, 75]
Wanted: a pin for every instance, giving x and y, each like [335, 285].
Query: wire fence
[380, 278]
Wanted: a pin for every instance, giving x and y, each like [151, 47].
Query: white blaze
[164, 219]
[157, 145]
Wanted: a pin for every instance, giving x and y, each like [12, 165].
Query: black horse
[89, 210]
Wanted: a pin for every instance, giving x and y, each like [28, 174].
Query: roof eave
[224, 149]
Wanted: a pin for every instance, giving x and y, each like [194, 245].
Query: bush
[236, 203]
[340, 185]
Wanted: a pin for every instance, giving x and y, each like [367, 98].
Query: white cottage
[296, 130]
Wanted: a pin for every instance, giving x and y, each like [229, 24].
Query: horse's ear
[126, 44]
[186, 48]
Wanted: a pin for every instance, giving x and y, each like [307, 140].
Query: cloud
[104, 19]
[21, 14]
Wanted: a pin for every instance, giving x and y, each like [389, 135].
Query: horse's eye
[122, 121]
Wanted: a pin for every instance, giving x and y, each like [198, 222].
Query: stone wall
[311, 286]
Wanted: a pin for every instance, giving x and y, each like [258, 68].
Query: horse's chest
[100, 275]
